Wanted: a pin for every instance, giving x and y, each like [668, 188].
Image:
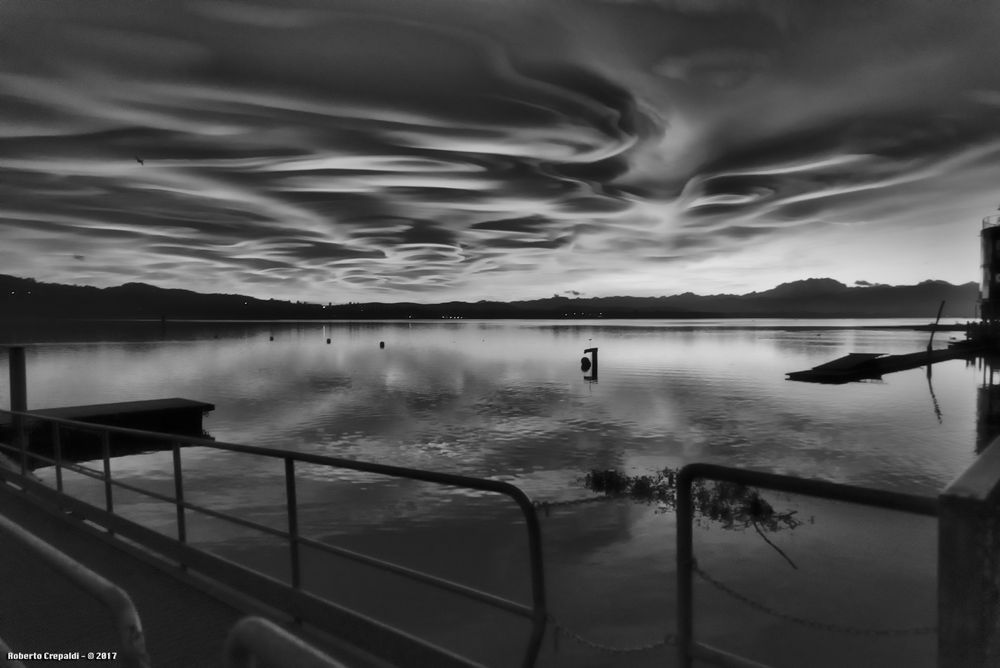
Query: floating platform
[869, 366]
[170, 416]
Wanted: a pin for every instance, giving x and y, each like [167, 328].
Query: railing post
[57, 452]
[293, 521]
[106, 451]
[18, 400]
[21, 438]
[969, 566]
[18, 379]
[179, 494]
[685, 563]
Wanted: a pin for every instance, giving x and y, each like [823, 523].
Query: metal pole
[685, 561]
[106, 448]
[18, 401]
[538, 593]
[254, 641]
[179, 494]
[930, 343]
[18, 379]
[293, 521]
[21, 438]
[57, 451]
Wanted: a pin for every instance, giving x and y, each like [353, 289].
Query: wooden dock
[867, 366]
[174, 415]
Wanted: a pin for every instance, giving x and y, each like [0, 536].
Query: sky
[431, 150]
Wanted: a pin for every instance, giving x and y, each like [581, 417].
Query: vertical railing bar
[685, 561]
[179, 494]
[57, 451]
[293, 521]
[22, 444]
[18, 400]
[538, 593]
[106, 453]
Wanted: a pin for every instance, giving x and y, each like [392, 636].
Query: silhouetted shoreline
[812, 298]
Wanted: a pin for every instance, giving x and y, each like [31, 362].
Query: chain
[559, 628]
[823, 626]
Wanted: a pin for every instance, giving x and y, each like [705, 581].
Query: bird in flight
[139, 160]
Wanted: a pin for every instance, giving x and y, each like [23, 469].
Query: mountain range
[809, 298]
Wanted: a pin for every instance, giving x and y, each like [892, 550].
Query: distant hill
[825, 297]
[809, 298]
[25, 297]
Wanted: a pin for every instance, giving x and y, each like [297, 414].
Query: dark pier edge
[173, 415]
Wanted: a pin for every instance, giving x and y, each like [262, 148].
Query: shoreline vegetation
[732, 506]
[27, 299]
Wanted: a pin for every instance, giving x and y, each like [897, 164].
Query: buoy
[328, 340]
[585, 364]
[381, 344]
[272, 338]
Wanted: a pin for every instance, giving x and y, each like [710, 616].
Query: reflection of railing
[293, 599]
[127, 623]
[690, 649]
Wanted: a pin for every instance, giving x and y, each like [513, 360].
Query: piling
[18, 379]
[18, 400]
[969, 566]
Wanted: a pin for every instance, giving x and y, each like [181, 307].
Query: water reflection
[499, 398]
[504, 400]
[987, 402]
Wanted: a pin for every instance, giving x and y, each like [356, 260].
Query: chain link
[812, 623]
[559, 628]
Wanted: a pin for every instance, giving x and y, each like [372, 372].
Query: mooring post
[18, 399]
[593, 363]
[18, 379]
[969, 566]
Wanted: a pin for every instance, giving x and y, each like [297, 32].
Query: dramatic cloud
[445, 149]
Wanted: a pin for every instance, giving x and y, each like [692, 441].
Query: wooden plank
[857, 366]
[848, 362]
[124, 408]
[92, 412]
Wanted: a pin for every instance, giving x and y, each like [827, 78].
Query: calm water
[508, 400]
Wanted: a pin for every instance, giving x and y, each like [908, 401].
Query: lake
[508, 400]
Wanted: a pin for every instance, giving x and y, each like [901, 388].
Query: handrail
[537, 612]
[127, 622]
[463, 590]
[257, 643]
[687, 647]
[5, 652]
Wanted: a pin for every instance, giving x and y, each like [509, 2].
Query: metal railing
[688, 648]
[293, 600]
[255, 642]
[127, 623]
